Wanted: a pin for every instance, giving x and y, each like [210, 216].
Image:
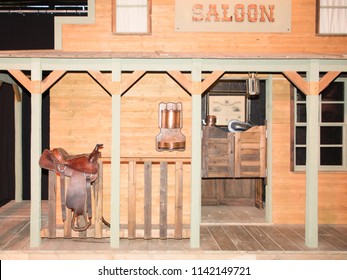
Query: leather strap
[89, 196]
[62, 194]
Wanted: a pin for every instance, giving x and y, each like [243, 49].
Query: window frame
[294, 145]
[319, 8]
[149, 20]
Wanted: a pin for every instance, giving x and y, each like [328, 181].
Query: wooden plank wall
[164, 38]
[81, 117]
[289, 187]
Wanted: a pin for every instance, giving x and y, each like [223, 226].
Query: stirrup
[87, 222]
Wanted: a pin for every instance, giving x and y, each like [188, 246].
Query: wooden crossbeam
[37, 87]
[131, 80]
[327, 79]
[195, 87]
[311, 88]
[21, 78]
[182, 80]
[52, 78]
[116, 87]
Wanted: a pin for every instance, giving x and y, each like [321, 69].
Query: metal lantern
[170, 137]
[252, 85]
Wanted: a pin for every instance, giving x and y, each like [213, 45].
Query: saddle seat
[86, 163]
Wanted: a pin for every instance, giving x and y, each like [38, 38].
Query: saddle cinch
[83, 170]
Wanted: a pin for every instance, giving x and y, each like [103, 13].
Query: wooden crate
[233, 154]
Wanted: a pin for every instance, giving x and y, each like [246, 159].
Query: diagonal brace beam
[309, 88]
[37, 87]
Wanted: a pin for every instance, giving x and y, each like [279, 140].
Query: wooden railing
[148, 204]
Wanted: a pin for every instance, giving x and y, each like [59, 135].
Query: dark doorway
[7, 144]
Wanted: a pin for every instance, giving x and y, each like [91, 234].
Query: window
[332, 17]
[132, 16]
[332, 122]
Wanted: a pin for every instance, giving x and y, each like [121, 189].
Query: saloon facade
[110, 70]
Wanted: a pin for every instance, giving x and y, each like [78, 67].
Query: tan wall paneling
[289, 190]
[81, 117]
[288, 196]
[99, 36]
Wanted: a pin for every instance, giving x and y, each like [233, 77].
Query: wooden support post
[36, 149]
[115, 157]
[312, 163]
[312, 155]
[18, 143]
[195, 177]
[178, 200]
[52, 213]
[268, 187]
[98, 195]
[132, 200]
[148, 200]
[163, 200]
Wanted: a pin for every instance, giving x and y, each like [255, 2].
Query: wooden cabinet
[233, 166]
[233, 154]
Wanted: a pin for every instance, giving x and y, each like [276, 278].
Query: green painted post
[312, 158]
[36, 149]
[268, 192]
[195, 200]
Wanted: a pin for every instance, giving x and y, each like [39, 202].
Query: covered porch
[98, 63]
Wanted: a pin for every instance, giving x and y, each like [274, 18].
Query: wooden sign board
[233, 16]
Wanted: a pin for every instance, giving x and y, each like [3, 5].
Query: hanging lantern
[252, 85]
[170, 137]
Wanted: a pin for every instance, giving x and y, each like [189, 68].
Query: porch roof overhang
[166, 61]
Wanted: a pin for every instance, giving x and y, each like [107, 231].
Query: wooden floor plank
[323, 243]
[293, 236]
[207, 241]
[249, 243]
[241, 246]
[336, 233]
[224, 242]
[263, 239]
[20, 240]
[9, 229]
[279, 238]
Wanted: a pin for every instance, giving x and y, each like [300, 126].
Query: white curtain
[131, 16]
[333, 17]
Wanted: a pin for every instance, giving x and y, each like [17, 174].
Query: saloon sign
[233, 16]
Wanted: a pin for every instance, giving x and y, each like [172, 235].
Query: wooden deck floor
[224, 241]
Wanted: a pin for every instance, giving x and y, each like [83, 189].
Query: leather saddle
[83, 170]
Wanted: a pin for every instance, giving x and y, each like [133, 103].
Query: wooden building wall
[81, 117]
[289, 188]
[164, 38]
[81, 109]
